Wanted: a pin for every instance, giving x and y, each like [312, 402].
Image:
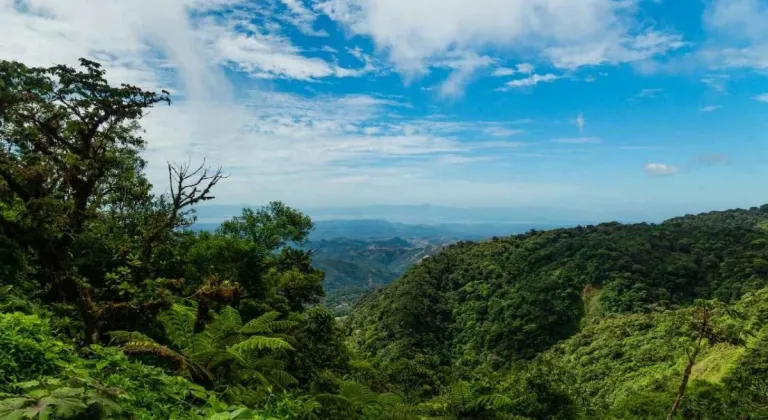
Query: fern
[258, 343]
[179, 323]
[261, 324]
[226, 351]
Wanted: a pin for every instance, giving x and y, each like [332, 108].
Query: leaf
[11, 408]
[257, 343]
[260, 325]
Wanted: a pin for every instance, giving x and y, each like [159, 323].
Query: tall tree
[69, 156]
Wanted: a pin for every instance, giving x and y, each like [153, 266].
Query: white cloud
[572, 33]
[265, 54]
[522, 68]
[762, 98]
[717, 82]
[709, 108]
[580, 121]
[502, 131]
[302, 17]
[135, 40]
[738, 34]
[578, 140]
[660, 169]
[464, 68]
[612, 50]
[530, 81]
[646, 93]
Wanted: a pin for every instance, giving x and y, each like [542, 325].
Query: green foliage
[509, 299]
[227, 352]
[27, 349]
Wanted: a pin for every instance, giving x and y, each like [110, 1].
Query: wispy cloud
[660, 169]
[530, 81]
[712, 159]
[579, 121]
[646, 93]
[502, 131]
[522, 68]
[717, 82]
[762, 97]
[709, 108]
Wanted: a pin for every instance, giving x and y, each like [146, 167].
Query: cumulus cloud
[588, 32]
[738, 34]
[660, 169]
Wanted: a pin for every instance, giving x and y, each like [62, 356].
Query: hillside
[355, 267]
[509, 299]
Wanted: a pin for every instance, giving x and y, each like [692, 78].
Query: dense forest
[113, 307]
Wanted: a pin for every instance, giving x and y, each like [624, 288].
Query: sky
[590, 104]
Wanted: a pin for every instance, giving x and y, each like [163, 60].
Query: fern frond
[257, 343]
[225, 323]
[399, 412]
[288, 338]
[179, 323]
[495, 401]
[261, 325]
[279, 377]
[459, 394]
[358, 394]
[389, 399]
[333, 400]
[264, 363]
[201, 342]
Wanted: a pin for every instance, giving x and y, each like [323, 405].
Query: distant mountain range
[365, 229]
[437, 215]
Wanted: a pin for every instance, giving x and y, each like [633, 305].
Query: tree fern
[179, 323]
[226, 351]
[258, 343]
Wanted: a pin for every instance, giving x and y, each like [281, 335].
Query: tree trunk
[684, 383]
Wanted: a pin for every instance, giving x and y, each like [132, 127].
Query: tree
[705, 333]
[69, 159]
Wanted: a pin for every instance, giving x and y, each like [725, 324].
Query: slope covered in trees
[504, 301]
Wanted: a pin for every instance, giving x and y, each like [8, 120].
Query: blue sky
[590, 104]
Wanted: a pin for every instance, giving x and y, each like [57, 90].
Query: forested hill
[509, 299]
